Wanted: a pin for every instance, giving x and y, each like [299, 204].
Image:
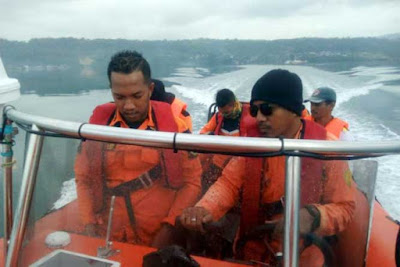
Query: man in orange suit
[327, 202]
[323, 102]
[152, 186]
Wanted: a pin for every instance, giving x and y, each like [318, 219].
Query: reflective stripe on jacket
[216, 122]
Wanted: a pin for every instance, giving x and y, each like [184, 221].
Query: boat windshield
[120, 201]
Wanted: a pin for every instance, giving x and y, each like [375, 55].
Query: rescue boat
[57, 238]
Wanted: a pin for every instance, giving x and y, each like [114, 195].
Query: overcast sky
[188, 19]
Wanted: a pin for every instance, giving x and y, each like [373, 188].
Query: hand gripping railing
[293, 149]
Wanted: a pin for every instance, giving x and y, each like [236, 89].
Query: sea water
[367, 97]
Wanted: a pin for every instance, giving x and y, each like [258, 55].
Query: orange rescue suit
[335, 196]
[215, 126]
[101, 166]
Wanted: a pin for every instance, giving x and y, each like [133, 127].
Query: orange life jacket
[246, 121]
[305, 113]
[164, 119]
[311, 175]
[178, 106]
[334, 126]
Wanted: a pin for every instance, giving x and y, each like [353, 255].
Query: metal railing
[7, 164]
[190, 142]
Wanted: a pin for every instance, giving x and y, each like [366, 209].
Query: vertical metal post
[110, 218]
[292, 206]
[25, 197]
[7, 162]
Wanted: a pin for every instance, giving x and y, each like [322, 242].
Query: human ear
[151, 88]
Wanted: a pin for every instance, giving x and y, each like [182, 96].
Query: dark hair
[224, 97]
[128, 62]
[159, 91]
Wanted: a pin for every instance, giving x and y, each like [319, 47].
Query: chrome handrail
[291, 213]
[186, 142]
[7, 164]
[195, 142]
[25, 199]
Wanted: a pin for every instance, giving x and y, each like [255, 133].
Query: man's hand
[164, 237]
[306, 220]
[194, 217]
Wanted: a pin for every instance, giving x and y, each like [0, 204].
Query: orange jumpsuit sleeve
[224, 193]
[210, 126]
[188, 194]
[89, 183]
[338, 203]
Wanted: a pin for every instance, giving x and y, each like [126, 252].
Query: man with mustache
[327, 202]
[152, 186]
[323, 102]
[230, 120]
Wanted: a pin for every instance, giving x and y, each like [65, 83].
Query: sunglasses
[265, 109]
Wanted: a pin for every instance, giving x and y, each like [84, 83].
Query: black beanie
[280, 87]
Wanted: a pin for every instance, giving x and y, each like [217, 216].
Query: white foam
[195, 72]
[68, 194]
[197, 95]
[345, 94]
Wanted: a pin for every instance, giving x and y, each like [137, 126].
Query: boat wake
[198, 91]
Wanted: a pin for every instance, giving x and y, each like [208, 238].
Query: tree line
[65, 64]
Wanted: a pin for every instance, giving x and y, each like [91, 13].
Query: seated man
[228, 121]
[151, 186]
[177, 105]
[323, 102]
[327, 202]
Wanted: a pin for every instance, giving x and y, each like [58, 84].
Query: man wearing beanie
[327, 202]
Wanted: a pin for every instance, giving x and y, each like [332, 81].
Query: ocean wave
[345, 94]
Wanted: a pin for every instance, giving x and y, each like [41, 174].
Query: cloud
[185, 19]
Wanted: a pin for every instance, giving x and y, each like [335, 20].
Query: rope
[8, 164]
